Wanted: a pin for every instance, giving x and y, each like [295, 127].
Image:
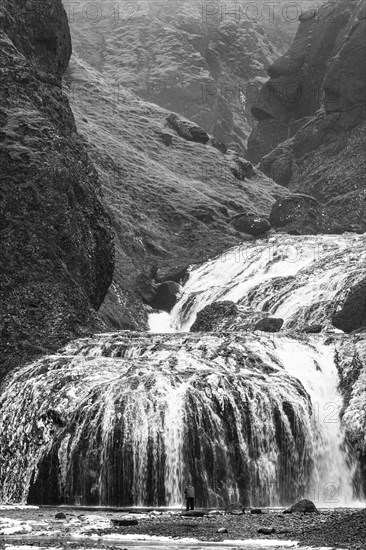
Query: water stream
[123, 419]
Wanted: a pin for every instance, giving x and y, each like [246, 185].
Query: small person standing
[189, 493]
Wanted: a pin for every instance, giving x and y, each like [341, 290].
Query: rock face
[196, 59]
[311, 114]
[56, 242]
[352, 314]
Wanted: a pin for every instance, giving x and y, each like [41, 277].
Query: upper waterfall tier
[300, 279]
[123, 419]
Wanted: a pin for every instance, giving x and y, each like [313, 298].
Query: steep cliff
[56, 240]
[311, 115]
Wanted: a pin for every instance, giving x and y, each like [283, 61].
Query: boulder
[266, 530]
[167, 295]
[269, 324]
[304, 506]
[124, 522]
[251, 224]
[60, 515]
[256, 511]
[298, 209]
[211, 317]
[187, 129]
[352, 315]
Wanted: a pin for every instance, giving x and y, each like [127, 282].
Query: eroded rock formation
[311, 114]
[56, 241]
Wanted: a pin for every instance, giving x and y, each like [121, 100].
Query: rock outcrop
[311, 114]
[352, 313]
[56, 240]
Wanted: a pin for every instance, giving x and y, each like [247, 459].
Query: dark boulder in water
[352, 315]
[211, 317]
[269, 324]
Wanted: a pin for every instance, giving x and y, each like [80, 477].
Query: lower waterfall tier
[126, 418]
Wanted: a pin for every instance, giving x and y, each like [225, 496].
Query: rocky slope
[200, 59]
[56, 242]
[171, 199]
[311, 116]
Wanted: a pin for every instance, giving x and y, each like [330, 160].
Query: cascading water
[297, 278]
[124, 418]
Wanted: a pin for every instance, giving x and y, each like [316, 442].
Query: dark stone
[269, 324]
[251, 224]
[266, 530]
[124, 522]
[166, 138]
[211, 316]
[256, 511]
[242, 169]
[60, 515]
[187, 129]
[166, 296]
[302, 210]
[218, 144]
[352, 314]
[312, 329]
[304, 506]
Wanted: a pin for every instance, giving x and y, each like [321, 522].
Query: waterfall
[296, 278]
[126, 418]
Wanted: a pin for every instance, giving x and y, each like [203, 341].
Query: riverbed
[84, 528]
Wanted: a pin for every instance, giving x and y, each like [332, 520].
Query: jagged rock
[309, 118]
[56, 239]
[352, 314]
[60, 515]
[166, 138]
[211, 316]
[187, 129]
[304, 506]
[269, 324]
[166, 296]
[123, 522]
[266, 530]
[251, 224]
[298, 210]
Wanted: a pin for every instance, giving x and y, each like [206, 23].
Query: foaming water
[299, 279]
[123, 419]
